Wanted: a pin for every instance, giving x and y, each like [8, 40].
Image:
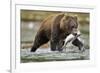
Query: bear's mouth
[74, 31]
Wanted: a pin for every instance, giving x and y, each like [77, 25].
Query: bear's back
[46, 23]
[50, 21]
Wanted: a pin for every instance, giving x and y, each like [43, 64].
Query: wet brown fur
[55, 29]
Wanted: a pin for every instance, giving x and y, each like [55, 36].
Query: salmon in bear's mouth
[73, 37]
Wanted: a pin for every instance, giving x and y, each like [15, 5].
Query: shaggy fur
[55, 29]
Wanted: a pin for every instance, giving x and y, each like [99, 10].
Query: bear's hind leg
[39, 40]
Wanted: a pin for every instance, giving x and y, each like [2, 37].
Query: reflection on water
[28, 30]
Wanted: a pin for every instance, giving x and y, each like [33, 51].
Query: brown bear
[55, 29]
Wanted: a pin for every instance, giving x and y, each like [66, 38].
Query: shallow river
[44, 54]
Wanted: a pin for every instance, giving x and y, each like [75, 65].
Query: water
[44, 54]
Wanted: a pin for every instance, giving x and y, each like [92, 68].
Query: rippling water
[44, 54]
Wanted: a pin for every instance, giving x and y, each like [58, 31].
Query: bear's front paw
[60, 50]
[52, 49]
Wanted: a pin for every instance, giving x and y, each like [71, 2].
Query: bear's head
[69, 24]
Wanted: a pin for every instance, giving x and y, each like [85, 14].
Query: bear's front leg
[60, 45]
[53, 44]
[54, 41]
[54, 38]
